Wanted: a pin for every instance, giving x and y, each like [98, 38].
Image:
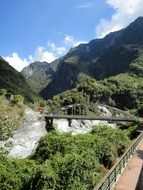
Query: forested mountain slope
[101, 58]
[14, 82]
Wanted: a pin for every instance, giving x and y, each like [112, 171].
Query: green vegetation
[140, 110]
[18, 99]
[123, 91]
[3, 91]
[62, 161]
[126, 90]
[14, 82]
[16, 174]
[99, 137]
[66, 98]
[114, 61]
[11, 112]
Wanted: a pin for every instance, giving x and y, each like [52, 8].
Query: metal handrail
[110, 178]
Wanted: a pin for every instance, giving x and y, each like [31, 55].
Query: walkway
[81, 117]
[129, 178]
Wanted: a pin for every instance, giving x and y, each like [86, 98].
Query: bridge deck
[81, 117]
[129, 178]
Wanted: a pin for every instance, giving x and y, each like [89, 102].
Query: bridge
[90, 112]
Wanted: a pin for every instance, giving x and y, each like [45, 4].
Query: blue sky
[45, 29]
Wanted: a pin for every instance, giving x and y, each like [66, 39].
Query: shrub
[3, 91]
[16, 174]
[6, 129]
[18, 99]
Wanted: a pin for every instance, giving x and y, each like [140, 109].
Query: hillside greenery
[116, 53]
[14, 82]
[11, 114]
[123, 91]
[62, 161]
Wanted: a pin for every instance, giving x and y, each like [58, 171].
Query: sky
[44, 30]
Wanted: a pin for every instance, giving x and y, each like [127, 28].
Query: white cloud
[55, 49]
[126, 11]
[15, 61]
[69, 40]
[41, 54]
[48, 53]
[85, 5]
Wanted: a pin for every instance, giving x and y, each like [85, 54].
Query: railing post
[115, 174]
[73, 110]
[123, 162]
[120, 168]
[82, 110]
[109, 183]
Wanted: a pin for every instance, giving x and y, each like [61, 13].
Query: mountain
[118, 57]
[14, 82]
[100, 58]
[39, 74]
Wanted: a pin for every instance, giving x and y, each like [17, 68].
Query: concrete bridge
[90, 112]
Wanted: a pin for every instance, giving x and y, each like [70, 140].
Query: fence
[110, 178]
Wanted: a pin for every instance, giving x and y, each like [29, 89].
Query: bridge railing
[84, 107]
[74, 109]
[111, 177]
[83, 110]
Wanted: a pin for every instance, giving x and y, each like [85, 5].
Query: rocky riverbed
[26, 137]
[77, 126]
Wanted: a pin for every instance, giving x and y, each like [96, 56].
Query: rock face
[77, 126]
[65, 78]
[81, 126]
[26, 137]
[39, 74]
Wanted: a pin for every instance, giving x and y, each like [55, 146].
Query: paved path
[129, 178]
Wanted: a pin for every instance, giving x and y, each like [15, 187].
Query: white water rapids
[26, 137]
